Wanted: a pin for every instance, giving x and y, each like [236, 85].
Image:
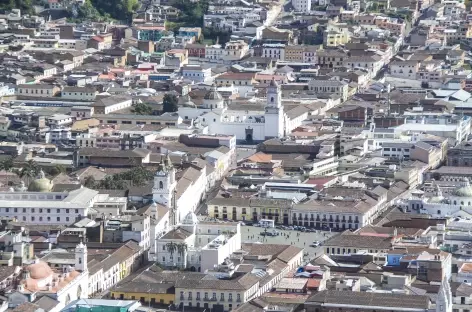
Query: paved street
[250, 234]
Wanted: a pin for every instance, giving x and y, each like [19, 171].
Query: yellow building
[250, 209]
[146, 293]
[333, 38]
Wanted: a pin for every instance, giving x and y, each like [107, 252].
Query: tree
[142, 109]
[171, 247]
[170, 103]
[26, 6]
[7, 164]
[181, 248]
[118, 9]
[90, 182]
[88, 12]
[30, 170]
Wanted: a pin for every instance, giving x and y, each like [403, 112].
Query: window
[58, 218]
[222, 297]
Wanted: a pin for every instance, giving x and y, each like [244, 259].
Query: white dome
[191, 218]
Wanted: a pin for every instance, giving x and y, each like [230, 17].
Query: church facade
[270, 121]
[180, 197]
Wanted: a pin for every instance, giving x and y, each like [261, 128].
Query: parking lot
[252, 234]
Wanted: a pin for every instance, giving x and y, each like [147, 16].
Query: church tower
[164, 182]
[274, 112]
[444, 299]
[81, 257]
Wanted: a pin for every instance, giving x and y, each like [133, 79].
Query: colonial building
[270, 121]
[198, 246]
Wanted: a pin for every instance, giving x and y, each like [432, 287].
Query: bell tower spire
[164, 182]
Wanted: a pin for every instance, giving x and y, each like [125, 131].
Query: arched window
[161, 185]
[272, 99]
[455, 203]
[439, 212]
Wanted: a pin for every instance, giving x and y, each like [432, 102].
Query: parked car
[315, 244]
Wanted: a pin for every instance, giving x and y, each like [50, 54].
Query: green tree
[7, 164]
[30, 170]
[26, 6]
[90, 182]
[170, 103]
[118, 9]
[88, 12]
[171, 247]
[182, 248]
[142, 109]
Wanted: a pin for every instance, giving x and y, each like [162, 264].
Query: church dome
[40, 270]
[465, 191]
[436, 199]
[213, 94]
[190, 218]
[41, 184]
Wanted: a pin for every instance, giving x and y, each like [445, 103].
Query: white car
[315, 244]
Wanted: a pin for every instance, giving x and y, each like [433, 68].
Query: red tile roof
[313, 283]
[98, 38]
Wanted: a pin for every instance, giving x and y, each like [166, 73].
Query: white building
[235, 50]
[301, 5]
[206, 244]
[448, 126]
[257, 125]
[38, 204]
[274, 51]
[196, 73]
[213, 52]
[181, 197]
[453, 204]
[59, 120]
[69, 284]
[79, 93]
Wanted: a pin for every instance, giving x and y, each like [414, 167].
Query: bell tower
[274, 116]
[164, 182]
[81, 257]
